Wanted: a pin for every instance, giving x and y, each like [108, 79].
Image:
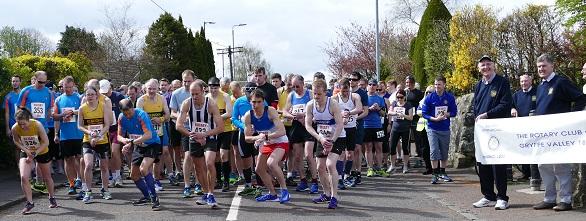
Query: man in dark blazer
[492, 99]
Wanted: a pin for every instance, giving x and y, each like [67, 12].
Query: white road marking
[233, 213]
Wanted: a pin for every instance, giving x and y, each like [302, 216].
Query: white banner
[547, 139]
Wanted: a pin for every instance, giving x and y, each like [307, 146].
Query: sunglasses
[249, 89]
[379, 89]
[372, 84]
[400, 97]
[256, 102]
[354, 79]
[428, 92]
[41, 82]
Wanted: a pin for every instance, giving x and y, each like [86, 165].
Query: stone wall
[461, 154]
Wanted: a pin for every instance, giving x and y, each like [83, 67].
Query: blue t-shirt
[434, 102]
[116, 98]
[10, 103]
[373, 119]
[138, 125]
[50, 121]
[41, 99]
[177, 99]
[68, 130]
[241, 106]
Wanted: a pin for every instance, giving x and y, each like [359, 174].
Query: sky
[291, 33]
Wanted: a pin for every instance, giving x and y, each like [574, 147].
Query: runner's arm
[274, 116]
[248, 131]
[167, 114]
[43, 138]
[228, 113]
[179, 126]
[357, 104]
[80, 125]
[309, 121]
[287, 110]
[335, 108]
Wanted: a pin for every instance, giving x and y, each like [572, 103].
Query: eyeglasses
[249, 89]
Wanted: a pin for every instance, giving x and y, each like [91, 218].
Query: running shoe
[40, 187]
[226, 187]
[370, 172]
[197, 189]
[333, 203]
[118, 182]
[158, 186]
[27, 208]
[111, 182]
[341, 185]
[314, 189]
[247, 191]
[347, 183]
[187, 192]
[233, 178]
[321, 199]
[445, 178]
[156, 205]
[267, 197]
[212, 201]
[351, 181]
[391, 169]
[302, 186]
[141, 201]
[71, 191]
[87, 198]
[434, 179]
[405, 168]
[290, 181]
[179, 176]
[285, 197]
[382, 173]
[53, 203]
[358, 180]
[203, 200]
[257, 192]
[172, 180]
[77, 183]
[80, 195]
[106, 194]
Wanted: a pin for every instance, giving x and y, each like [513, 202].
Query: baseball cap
[104, 86]
[373, 81]
[484, 58]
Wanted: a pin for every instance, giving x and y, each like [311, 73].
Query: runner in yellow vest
[30, 137]
[225, 106]
[156, 107]
[92, 121]
[292, 160]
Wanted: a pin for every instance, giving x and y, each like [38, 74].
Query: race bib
[439, 110]
[30, 142]
[134, 136]
[325, 130]
[199, 127]
[38, 110]
[72, 118]
[158, 129]
[352, 119]
[299, 108]
[380, 134]
[399, 110]
[96, 129]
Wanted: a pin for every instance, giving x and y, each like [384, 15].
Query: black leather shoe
[544, 205]
[563, 207]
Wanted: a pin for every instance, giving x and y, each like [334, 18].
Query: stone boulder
[461, 153]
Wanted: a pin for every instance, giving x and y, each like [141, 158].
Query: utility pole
[230, 52]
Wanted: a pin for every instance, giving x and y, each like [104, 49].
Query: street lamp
[233, 26]
[207, 22]
[231, 66]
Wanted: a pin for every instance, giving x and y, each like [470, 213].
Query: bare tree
[121, 41]
[410, 11]
[250, 58]
[15, 42]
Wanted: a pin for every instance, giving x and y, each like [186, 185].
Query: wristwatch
[132, 141]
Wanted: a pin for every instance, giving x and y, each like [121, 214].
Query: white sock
[289, 174]
[116, 174]
[187, 185]
[84, 186]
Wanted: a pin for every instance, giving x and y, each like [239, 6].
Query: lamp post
[232, 66]
[377, 50]
[207, 22]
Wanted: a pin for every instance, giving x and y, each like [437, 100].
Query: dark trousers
[489, 176]
[425, 149]
[535, 172]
